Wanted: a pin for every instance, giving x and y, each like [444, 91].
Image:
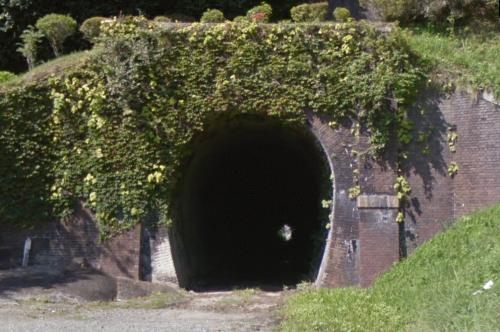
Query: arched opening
[249, 210]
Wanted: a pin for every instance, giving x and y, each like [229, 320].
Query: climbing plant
[115, 132]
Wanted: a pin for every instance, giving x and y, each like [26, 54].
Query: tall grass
[471, 59]
[432, 290]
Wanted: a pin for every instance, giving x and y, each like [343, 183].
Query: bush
[57, 28]
[437, 12]
[261, 13]
[162, 19]
[29, 46]
[91, 28]
[342, 14]
[6, 76]
[212, 16]
[240, 19]
[315, 12]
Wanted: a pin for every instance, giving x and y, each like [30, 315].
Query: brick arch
[354, 231]
[363, 237]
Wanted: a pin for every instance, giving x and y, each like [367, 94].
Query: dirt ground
[54, 300]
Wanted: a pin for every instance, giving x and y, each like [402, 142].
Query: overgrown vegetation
[212, 16]
[29, 45]
[17, 15]
[57, 28]
[314, 12]
[342, 14]
[437, 288]
[91, 28]
[115, 132]
[467, 58]
[261, 13]
[438, 12]
[6, 76]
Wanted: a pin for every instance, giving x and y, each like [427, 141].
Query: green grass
[6, 76]
[153, 301]
[432, 290]
[471, 59]
[53, 67]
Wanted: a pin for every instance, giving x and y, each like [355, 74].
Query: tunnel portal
[250, 211]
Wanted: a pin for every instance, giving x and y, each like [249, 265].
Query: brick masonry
[364, 239]
[436, 198]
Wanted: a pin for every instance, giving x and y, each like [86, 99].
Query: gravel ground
[134, 320]
[35, 300]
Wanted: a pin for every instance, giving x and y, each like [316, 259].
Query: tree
[29, 46]
[91, 28]
[57, 28]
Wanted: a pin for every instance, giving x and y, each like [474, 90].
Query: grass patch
[432, 290]
[471, 59]
[240, 297]
[6, 76]
[154, 301]
[349, 309]
[42, 72]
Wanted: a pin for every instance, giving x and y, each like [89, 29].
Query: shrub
[315, 12]
[240, 19]
[342, 14]
[29, 46]
[261, 13]
[91, 28]
[212, 16]
[162, 19]
[438, 12]
[57, 28]
[6, 76]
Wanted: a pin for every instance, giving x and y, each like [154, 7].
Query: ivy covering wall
[116, 132]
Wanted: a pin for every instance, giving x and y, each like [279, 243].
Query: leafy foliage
[212, 16]
[240, 19]
[342, 14]
[162, 19]
[57, 28]
[315, 12]
[121, 127]
[261, 13]
[438, 12]
[17, 15]
[29, 46]
[91, 28]
[6, 76]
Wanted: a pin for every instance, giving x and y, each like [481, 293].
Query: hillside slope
[435, 289]
[468, 59]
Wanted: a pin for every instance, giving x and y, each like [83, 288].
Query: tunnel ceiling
[250, 207]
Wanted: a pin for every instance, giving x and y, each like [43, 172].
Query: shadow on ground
[83, 284]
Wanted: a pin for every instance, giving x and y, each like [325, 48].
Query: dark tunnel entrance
[250, 213]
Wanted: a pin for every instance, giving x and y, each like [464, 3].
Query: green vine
[453, 169]
[452, 138]
[115, 133]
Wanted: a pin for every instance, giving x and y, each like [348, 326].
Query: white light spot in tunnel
[285, 233]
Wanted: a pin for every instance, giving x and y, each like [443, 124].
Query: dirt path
[50, 308]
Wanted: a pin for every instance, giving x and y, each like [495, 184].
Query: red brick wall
[354, 233]
[436, 198]
[120, 256]
[75, 240]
